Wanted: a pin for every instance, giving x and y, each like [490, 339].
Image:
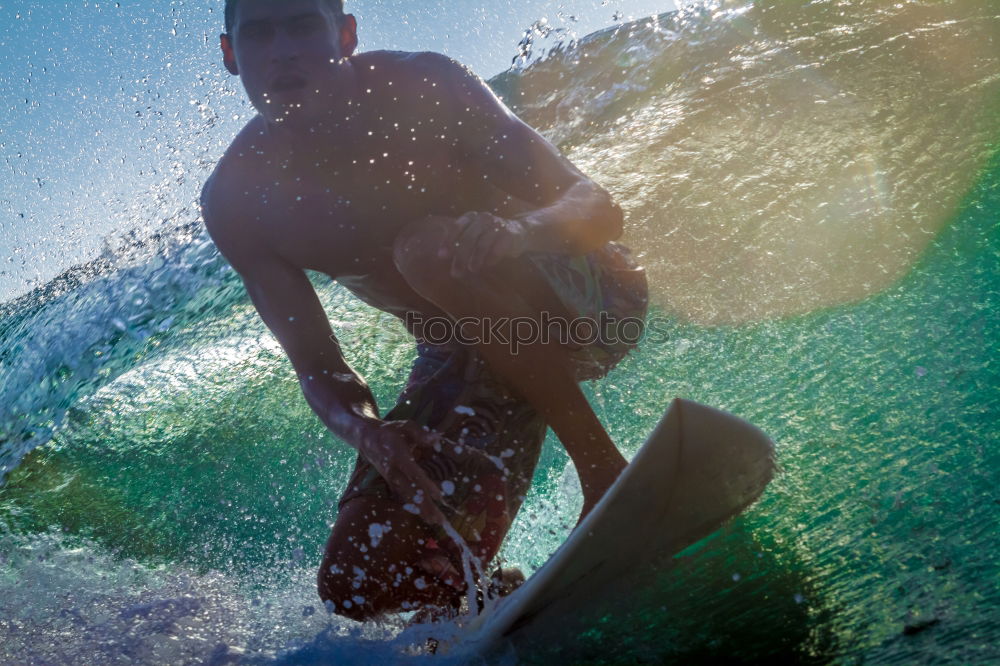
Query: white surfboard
[699, 468]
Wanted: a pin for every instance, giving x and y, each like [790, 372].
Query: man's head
[336, 6]
[287, 52]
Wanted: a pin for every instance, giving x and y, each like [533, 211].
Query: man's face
[286, 54]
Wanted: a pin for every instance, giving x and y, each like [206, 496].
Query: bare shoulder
[224, 204]
[408, 62]
[433, 74]
[237, 165]
[434, 84]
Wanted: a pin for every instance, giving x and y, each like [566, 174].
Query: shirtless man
[402, 177]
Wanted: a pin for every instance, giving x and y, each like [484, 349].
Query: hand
[388, 446]
[481, 240]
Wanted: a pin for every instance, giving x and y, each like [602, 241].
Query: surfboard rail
[698, 468]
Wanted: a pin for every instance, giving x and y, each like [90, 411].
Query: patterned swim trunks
[492, 438]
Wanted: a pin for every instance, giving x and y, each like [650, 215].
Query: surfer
[402, 177]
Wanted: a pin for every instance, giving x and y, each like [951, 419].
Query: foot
[502, 582]
[505, 580]
[430, 614]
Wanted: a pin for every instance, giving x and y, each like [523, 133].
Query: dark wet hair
[336, 5]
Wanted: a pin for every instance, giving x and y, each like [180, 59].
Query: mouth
[286, 82]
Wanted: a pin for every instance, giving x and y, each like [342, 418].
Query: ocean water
[814, 189]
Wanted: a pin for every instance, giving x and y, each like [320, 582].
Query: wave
[66, 339]
[783, 167]
[145, 295]
[771, 160]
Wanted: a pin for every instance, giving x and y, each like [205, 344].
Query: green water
[879, 540]
[876, 543]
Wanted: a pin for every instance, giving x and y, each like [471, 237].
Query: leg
[541, 373]
[402, 563]
[368, 572]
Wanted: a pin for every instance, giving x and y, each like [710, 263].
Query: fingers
[509, 244]
[482, 254]
[419, 479]
[459, 225]
[474, 226]
[423, 493]
[405, 476]
[481, 241]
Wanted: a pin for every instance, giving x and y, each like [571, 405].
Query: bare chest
[343, 220]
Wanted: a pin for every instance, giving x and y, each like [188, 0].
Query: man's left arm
[571, 214]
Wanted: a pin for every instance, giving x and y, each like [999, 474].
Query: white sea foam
[110, 611]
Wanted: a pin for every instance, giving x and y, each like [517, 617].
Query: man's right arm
[287, 302]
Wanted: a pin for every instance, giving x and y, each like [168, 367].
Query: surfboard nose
[699, 467]
[724, 464]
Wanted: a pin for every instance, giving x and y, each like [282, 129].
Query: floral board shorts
[490, 437]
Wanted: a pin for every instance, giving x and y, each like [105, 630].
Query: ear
[228, 56]
[348, 35]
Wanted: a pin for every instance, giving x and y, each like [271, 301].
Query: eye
[305, 25]
[257, 31]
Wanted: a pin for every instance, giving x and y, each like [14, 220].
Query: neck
[330, 129]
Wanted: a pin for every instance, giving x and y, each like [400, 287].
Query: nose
[284, 48]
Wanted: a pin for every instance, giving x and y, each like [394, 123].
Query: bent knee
[361, 596]
[415, 250]
[344, 594]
